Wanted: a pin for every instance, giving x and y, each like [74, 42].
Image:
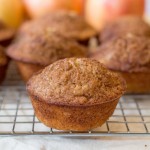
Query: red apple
[37, 8]
[98, 12]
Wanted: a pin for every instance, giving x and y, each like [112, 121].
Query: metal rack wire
[131, 117]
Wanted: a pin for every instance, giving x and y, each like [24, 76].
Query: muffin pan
[131, 117]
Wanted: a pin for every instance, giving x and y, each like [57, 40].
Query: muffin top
[5, 33]
[76, 81]
[44, 48]
[126, 25]
[128, 53]
[3, 58]
[68, 24]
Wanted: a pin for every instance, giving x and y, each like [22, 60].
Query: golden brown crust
[27, 70]
[76, 81]
[137, 83]
[68, 24]
[129, 53]
[125, 25]
[44, 48]
[73, 118]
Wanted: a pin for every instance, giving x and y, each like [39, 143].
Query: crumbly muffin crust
[68, 24]
[129, 53]
[44, 48]
[3, 58]
[125, 25]
[76, 81]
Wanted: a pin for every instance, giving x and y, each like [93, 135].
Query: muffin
[38, 50]
[76, 94]
[3, 64]
[125, 25]
[130, 56]
[68, 24]
[6, 35]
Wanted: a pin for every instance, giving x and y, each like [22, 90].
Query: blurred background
[147, 7]
[96, 12]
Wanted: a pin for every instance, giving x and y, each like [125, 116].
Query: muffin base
[3, 70]
[137, 83]
[27, 70]
[75, 118]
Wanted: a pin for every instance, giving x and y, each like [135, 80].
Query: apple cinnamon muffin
[75, 94]
[130, 56]
[38, 50]
[68, 24]
[6, 35]
[125, 25]
[3, 64]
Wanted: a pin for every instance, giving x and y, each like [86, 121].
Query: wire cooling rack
[131, 117]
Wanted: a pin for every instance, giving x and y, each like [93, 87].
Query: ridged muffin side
[3, 64]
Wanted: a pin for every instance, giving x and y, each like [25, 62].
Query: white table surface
[56, 143]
